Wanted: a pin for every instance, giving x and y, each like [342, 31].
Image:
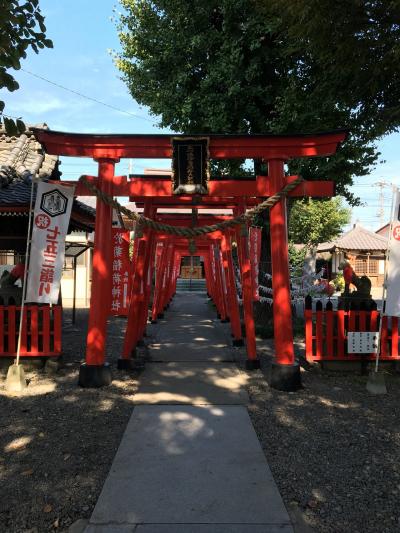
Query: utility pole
[381, 211]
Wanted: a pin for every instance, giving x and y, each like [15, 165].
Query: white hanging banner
[50, 226]
[393, 266]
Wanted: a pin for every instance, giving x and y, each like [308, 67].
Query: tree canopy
[314, 221]
[245, 66]
[22, 27]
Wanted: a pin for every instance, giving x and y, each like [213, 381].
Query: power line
[89, 97]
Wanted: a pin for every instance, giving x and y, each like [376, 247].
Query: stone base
[131, 364]
[94, 376]
[125, 364]
[253, 364]
[285, 377]
[238, 342]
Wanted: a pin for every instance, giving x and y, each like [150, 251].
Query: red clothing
[18, 271]
[348, 273]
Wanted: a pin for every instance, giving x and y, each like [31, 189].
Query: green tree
[239, 66]
[314, 221]
[310, 223]
[22, 27]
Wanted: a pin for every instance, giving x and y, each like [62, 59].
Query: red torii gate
[108, 149]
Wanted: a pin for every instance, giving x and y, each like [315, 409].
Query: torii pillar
[285, 372]
[95, 372]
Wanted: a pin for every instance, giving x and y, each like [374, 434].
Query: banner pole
[376, 381]
[385, 275]
[27, 253]
[15, 380]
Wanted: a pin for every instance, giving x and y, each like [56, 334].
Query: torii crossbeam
[155, 192]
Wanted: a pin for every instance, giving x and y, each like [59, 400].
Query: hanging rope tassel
[192, 247]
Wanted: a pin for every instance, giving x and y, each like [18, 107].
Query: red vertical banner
[255, 255]
[121, 272]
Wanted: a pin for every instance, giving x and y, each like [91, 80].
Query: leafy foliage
[314, 221]
[250, 66]
[22, 27]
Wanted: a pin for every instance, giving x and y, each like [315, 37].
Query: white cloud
[38, 104]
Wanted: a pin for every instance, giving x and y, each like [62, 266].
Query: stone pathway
[190, 461]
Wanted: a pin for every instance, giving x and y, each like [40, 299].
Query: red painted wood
[148, 269]
[45, 332]
[384, 337]
[340, 333]
[308, 316]
[352, 320]
[131, 332]
[332, 354]
[57, 328]
[219, 191]
[100, 300]
[329, 318]
[247, 294]
[137, 296]
[231, 287]
[33, 330]
[24, 330]
[395, 337]
[159, 146]
[319, 332]
[374, 321]
[282, 308]
[221, 306]
[362, 320]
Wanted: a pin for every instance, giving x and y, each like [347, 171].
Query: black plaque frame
[190, 165]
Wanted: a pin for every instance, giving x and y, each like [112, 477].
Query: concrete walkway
[190, 461]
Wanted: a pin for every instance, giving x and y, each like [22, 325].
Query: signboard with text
[121, 272]
[50, 226]
[393, 266]
[255, 255]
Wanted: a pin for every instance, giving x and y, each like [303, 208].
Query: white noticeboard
[362, 341]
[393, 265]
[50, 226]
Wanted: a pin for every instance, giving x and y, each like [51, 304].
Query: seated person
[348, 274]
[9, 279]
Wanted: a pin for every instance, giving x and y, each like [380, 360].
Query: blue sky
[83, 35]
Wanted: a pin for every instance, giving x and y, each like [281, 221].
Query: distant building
[363, 248]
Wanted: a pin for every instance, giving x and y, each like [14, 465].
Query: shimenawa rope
[186, 231]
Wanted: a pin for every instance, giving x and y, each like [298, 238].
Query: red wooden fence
[326, 333]
[41, 330]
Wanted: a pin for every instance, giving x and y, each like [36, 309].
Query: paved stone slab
[213, 528]
[175, 351]
[192, 383]
[194, 466]
[190, 528]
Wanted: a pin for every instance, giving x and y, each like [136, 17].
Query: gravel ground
[57, 441]
[333, 448]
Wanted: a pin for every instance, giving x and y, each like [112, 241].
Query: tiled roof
[357, 238]
[19, 194]
[23, 156]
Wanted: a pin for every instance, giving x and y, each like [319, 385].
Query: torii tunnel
[158, 255]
